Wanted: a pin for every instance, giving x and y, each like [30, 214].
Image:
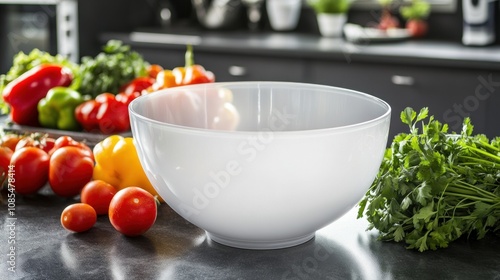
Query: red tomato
[132, 211]
[37, 140]
[78, 217]
[49, 144]
[70, 169]
[98, 194]
[417, 28]
[31, 166]
[5, 156]
[65, 141]
[10, 140]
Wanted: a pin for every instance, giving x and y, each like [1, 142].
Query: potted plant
[387, 19]
[331, 15]
[415, 15]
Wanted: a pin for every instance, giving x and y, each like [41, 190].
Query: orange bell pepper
[189, 74]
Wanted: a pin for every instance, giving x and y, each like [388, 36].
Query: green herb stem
[485, 153]
[465, 188]
[471, 197]
[465, 217]
[488, 146]
[472, 161]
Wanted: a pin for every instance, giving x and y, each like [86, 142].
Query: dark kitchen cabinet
[450, 93]
[252, 68]
[166, 58]
[231, 67]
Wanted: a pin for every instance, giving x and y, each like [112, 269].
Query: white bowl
[260, 165]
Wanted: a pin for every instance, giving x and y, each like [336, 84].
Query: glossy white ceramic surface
[260, 165]
[283, 15]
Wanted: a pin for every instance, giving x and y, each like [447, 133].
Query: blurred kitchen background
[30, 20]
[236, 40]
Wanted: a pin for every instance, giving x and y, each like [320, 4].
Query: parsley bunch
[434, 187]
[112, 68]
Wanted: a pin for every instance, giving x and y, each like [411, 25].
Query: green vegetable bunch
[434, 187]
[330, 6]
[418, 9]
[116, 65]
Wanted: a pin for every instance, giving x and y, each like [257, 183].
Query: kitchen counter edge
[304, 46]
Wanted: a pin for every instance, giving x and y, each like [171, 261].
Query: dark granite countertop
[306, 46]
[175, 249]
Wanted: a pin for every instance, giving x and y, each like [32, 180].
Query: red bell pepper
[106, 113]
[86, 115]
[138, 85]
[24, 93]
[126, 98]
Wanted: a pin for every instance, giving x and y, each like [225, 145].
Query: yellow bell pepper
[117, 163]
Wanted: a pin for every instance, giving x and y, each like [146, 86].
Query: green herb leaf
[433, 186]
[408, 115]
[109, 70]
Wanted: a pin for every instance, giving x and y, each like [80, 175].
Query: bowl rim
[187, 129]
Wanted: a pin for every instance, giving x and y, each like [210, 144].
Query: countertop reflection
[175, 249]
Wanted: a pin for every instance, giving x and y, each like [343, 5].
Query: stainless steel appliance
[218, 14]
[68, 27]
[479, 22]
[173, 12]
[49, 25]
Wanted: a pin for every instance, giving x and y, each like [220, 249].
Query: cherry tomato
[5, 156]
[70, 169]
[98, 194]
[78, 217]
[41, 141]
[132, 211]
[49, 144]
[65, 141]
[31, 166]
[10, 140]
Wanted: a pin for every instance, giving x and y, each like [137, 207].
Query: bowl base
[260, 245]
